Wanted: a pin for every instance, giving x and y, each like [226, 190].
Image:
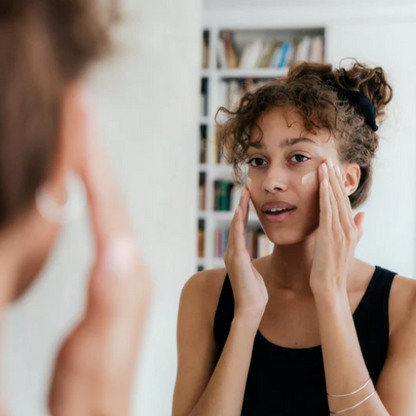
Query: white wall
[389, 238]
[147, 100]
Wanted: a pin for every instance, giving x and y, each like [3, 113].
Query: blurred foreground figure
[46, 141]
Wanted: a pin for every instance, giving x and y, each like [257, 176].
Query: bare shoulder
[203, 289]
[402, 303]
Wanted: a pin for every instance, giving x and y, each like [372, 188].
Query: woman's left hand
[338, 234]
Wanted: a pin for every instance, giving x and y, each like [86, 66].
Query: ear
[351, 177]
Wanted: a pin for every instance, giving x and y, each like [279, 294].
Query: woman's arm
[345, 368]
[201, 387]
[201, 390]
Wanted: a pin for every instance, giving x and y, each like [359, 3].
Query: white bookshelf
[214, 77]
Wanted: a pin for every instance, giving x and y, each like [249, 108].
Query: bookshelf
[235, 61]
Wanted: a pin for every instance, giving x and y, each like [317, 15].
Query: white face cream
[309, 178]
[248, 183]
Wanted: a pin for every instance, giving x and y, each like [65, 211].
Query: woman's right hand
[250, 293]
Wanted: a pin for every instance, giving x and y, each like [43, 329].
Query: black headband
[362, 104]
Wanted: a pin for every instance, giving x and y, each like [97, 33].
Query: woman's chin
[287, 237]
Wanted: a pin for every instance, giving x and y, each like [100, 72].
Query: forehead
[278, 126]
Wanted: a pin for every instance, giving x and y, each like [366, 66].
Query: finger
[334, 179]
[246, 208]
[237, 214]
[241, 222]
[336, 225]
[325, 216]
[106, 209]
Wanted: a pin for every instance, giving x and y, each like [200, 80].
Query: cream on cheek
[249, 183]
[309, 178]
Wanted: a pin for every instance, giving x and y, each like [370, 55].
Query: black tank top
[291, 381]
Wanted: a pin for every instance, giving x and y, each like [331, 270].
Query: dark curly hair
[313, 89]
[45, 45]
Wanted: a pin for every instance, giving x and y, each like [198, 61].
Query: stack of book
[269, 53]
[258, 244]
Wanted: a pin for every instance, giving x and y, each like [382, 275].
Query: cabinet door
[390, 225]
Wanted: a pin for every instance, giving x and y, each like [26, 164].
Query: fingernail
[330, 164]
[324, 168]
[118, 257]
[338, 170]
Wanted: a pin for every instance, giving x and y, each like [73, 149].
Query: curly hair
[313, 90]
[45, 45]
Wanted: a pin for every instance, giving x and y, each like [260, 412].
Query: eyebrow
[285, 143]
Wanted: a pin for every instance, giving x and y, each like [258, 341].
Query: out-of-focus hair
[45, 45]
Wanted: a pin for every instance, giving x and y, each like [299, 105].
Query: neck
[290, 265]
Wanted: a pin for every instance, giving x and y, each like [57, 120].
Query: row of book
[226, 194]
[261, 53]
[230, 92]
[258, 244]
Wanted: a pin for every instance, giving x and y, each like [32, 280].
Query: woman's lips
[278, 217]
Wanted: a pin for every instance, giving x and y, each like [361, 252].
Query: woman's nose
[275, 180]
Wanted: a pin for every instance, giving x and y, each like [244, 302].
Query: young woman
[46, 47]
[309, 329]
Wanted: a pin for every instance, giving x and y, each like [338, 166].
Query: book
[222, 54]
[269, 54]
[205, 50]
[202, 191]
[222, 194]
[201, 238]
[232, 58]
[203, 145]
[303, 49]
[275, 59]
[317, 49]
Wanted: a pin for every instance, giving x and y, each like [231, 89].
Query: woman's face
[283, 170]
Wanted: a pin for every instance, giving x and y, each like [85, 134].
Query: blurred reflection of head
[46, 46]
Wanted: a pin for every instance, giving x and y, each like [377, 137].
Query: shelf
[216, 170]
[252, 73]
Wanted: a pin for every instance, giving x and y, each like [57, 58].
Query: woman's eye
[256, 161]
[299, 158]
